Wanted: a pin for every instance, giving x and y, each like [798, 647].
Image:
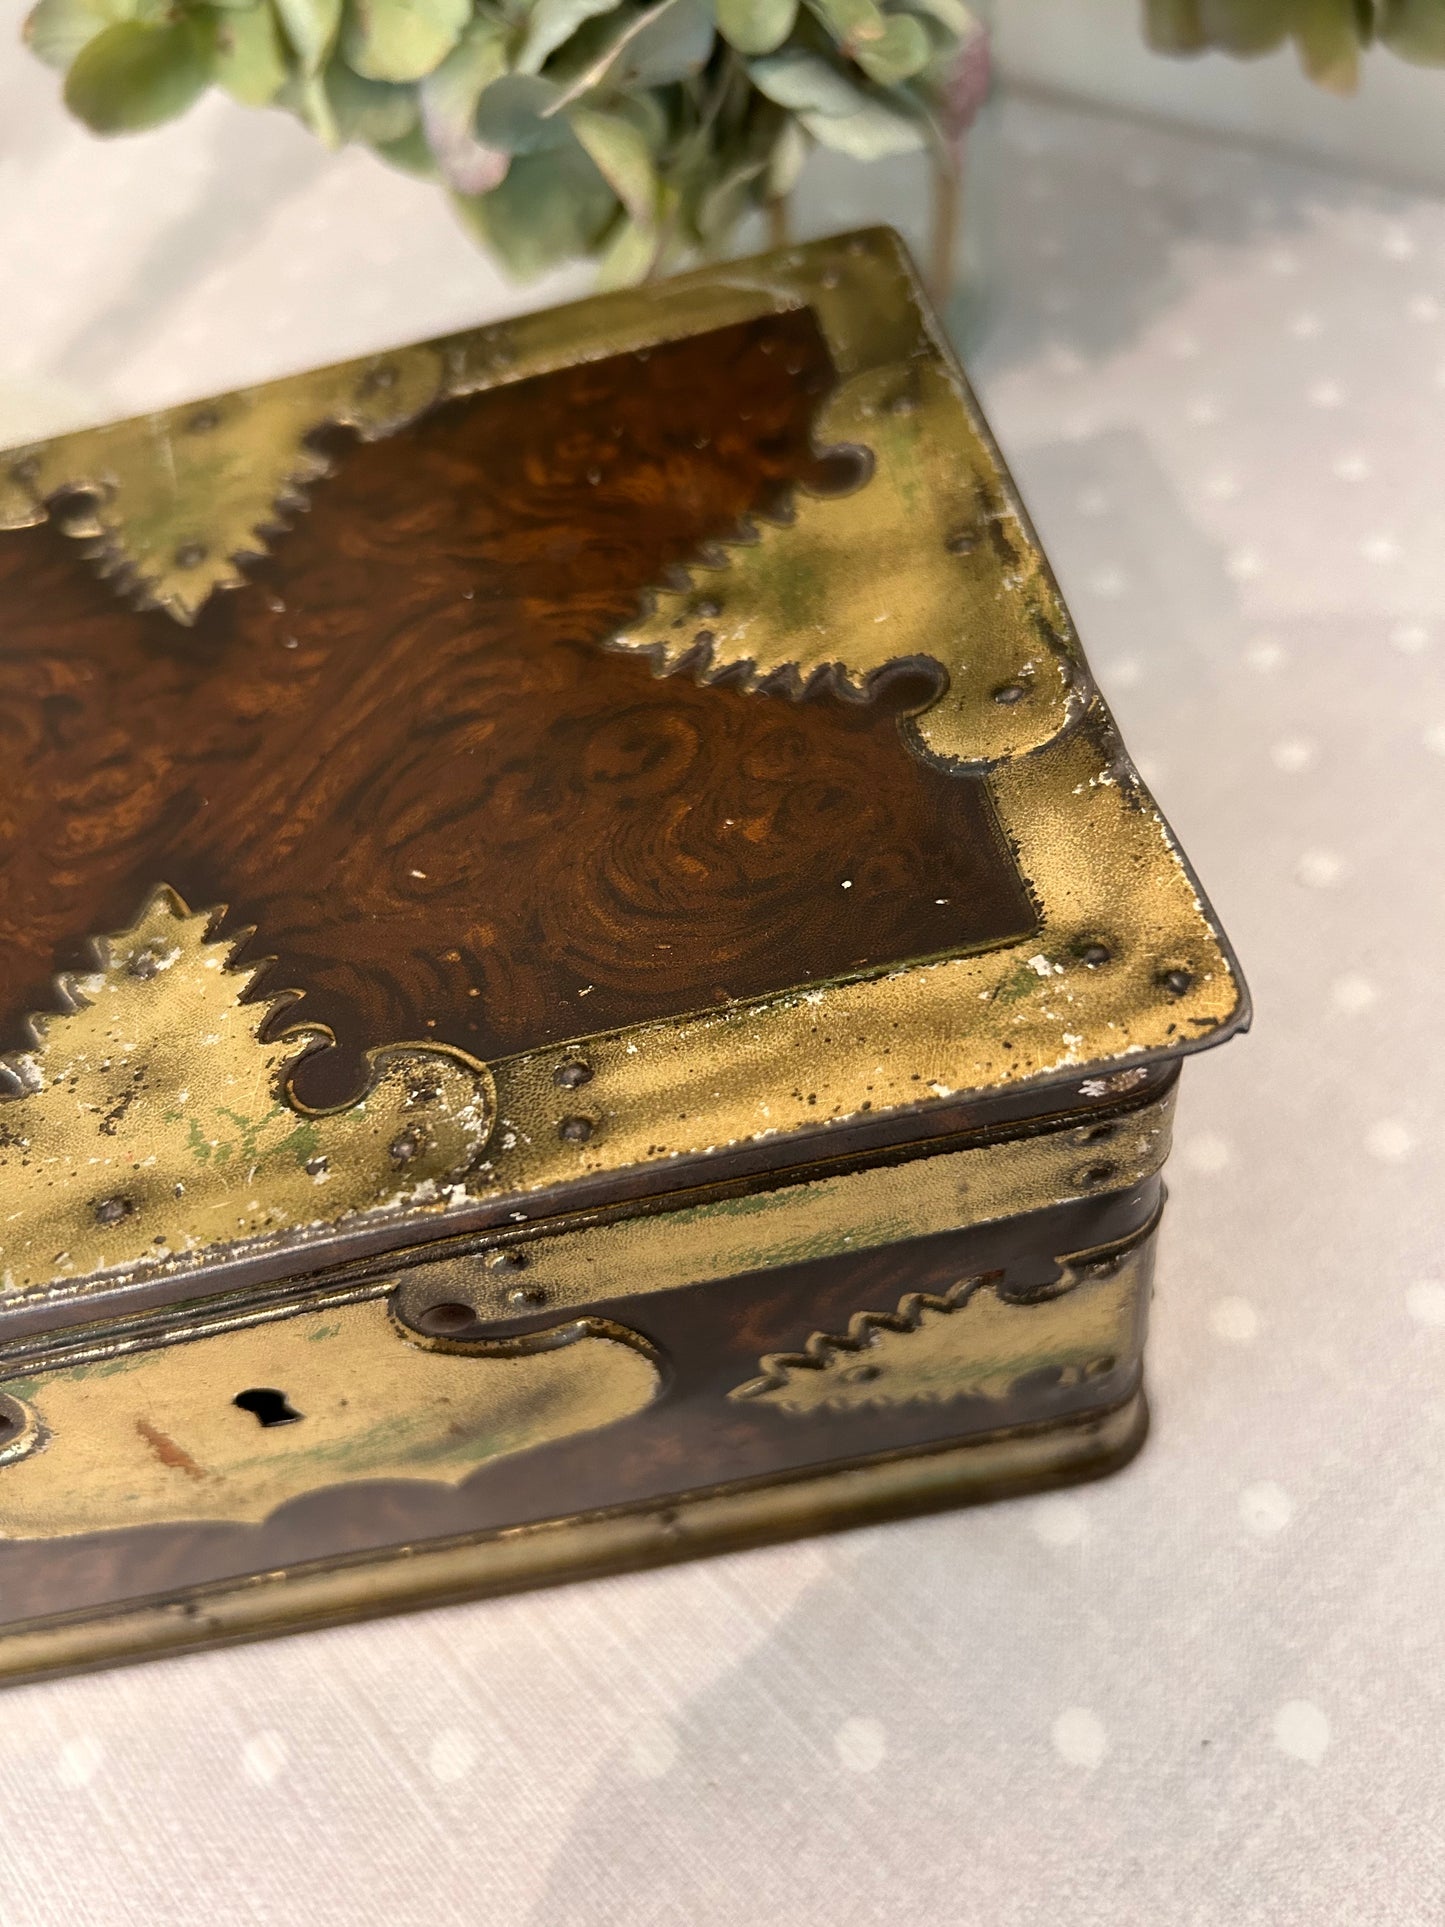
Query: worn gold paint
[329, 1593]
[169, 504]
[928, 563]
[1093, 850]
[172, 502]
[827, 1217]
[218, 476]
[152, 1436]
[153, 1121]
[1102, 866]
[969, 1342]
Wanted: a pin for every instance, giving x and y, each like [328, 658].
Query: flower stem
[947, 207]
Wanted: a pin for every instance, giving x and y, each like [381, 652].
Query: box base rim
[704, 1522]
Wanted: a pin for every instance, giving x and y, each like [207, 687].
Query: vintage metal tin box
[606, 990]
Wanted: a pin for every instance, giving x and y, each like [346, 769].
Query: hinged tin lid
[497, 750]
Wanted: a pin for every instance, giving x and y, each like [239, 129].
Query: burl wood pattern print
[402, 754]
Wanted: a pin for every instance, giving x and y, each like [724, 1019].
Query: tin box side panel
[1028, 1328]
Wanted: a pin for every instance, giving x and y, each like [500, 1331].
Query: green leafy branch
[633, 132]
[630, 130]
[1329, 35]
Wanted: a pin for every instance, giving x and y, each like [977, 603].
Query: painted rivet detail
[451, 1315]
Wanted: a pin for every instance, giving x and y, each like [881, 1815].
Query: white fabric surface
[1207, 1693]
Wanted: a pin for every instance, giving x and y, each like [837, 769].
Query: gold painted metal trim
[927, 563]
[1126, 968]
[153, 1121]
[170, 504]
[859, 1211]
[198, 1424]
[624, 1258]
[971, 1341]
[407, 1578]
[1127, 965]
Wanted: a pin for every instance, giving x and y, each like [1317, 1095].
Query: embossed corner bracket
[153, 1117]
[171, 503]
[971, 1341]
[926, 563]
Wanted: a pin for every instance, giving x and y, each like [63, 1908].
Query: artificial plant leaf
[806, 83]
[550, 24]
[790, 151]
[250, 60]
[449, 99]
[305, 96]
[56, 30]
[652, 48]
[551, 207]
[368, 110]
[132, 76]
[727, 199]
[1326, 33]
[957, 20]
[515, 115]
[311, 26]
[850, 21]
[621, 151]
[627, 256]
[411, 154]
[648, 114]
[901, 51]
[1174, 26]
[1415, 29]
[874, 131]
[756, 26]
[671, 45]
[1246, 26]
[401, 39]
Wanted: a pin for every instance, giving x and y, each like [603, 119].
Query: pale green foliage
[135, 74]
[1329, 35]
[632, 130]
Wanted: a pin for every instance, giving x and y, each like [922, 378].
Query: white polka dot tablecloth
[1209, 1692]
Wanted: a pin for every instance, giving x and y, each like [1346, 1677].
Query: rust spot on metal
[168, 1452]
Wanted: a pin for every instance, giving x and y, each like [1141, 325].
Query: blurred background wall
[1095, 50]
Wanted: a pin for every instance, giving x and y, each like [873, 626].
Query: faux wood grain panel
[402, 755]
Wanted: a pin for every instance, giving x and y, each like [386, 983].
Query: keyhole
[270, 1407]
